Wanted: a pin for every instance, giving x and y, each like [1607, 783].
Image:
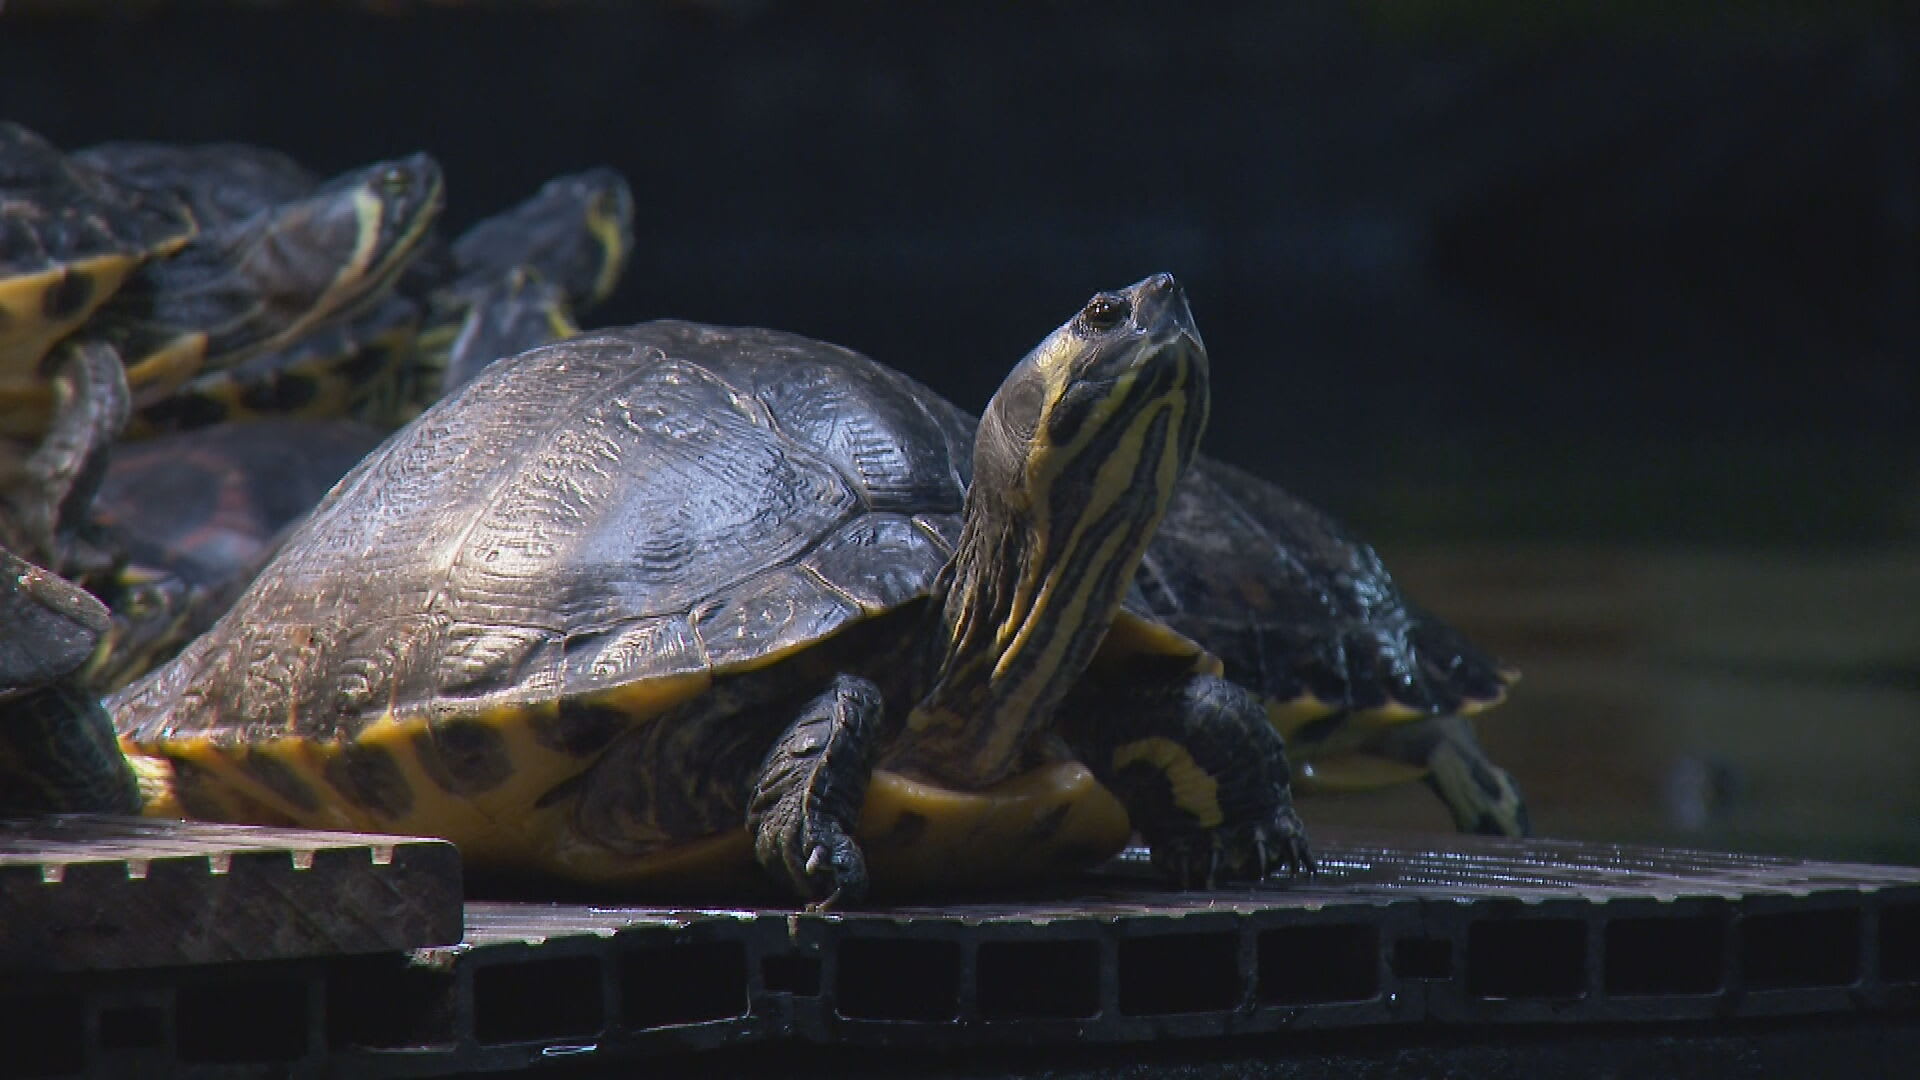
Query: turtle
[193, 516]
[257, 283]
[509, 283]
[229, 289]
[656, 606]
[577, 231]
[242, 286]
[340, 369]
[521, 278]
[1369, 688]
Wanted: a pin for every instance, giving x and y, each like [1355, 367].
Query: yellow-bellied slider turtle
[230, 288]
[240, 285]
[650, 604]
[1368, 689]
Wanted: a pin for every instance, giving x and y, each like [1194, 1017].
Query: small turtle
[651, 605]
[1368, 689]
[242, 286]
[69, 237]
[194, 515]
[522, 278]
[576, 231]
[257, 283]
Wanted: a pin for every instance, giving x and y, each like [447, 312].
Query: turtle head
[576, 231]
[394, 204]
[338, 248]
[1074, 463]
[1099, 420]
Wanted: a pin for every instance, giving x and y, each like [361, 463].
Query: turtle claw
[835, 873]
[1247, 852]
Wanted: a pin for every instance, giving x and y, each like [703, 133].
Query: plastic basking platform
[1397, 938]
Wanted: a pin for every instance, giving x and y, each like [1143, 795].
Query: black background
[1625, 271]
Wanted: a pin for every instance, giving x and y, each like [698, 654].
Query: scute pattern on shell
[623, 506]
[54, 211]
[1298, 607]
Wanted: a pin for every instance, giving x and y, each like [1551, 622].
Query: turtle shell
[219, 182]
[1304, 612]
[69, 236]
[586, 535]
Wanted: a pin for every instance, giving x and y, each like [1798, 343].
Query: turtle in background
[1369, 689]
[215, 292]
[242, 286]
[515, 280]
[520, 279]
[69, 237]
[187, 554]
[656, 605]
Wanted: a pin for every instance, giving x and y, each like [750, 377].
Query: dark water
[1605, 326]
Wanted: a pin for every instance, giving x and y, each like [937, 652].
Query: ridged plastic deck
[1394, 931]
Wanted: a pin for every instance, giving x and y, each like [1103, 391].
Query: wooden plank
[90, 893]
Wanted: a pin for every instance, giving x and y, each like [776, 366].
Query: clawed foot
[835, 872]
[1243, 852]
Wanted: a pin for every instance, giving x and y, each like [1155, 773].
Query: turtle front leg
[1202, 774]
[49, 505]
[809, 793]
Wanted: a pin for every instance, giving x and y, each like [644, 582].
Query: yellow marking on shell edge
[647, 698]
[25, 332]
[1194, 791]
[1351, 772]
[498, 828]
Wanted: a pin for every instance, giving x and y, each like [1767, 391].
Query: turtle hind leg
[1482, 797]
[809, 792]
[58, 752]
[1202, 774]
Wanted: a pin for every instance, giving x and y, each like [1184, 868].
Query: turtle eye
[395, 181]
[1104, 312]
